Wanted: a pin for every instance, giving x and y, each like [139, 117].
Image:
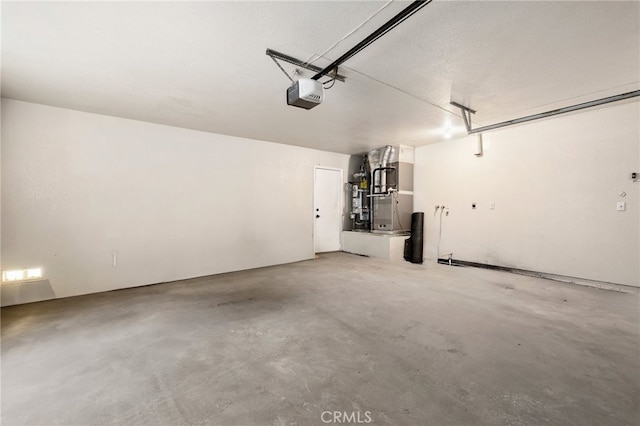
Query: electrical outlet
[492, 206]
[621, 206]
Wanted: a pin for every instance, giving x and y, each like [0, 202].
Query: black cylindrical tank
[413, 246]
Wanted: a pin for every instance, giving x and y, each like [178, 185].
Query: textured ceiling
[202, 65]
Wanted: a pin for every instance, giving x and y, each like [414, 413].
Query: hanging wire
[332, 81]
[280, 66]
[314, 58]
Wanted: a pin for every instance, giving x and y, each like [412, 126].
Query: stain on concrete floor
[408, 344]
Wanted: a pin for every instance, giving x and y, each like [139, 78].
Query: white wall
[555, 184]
[174, 203]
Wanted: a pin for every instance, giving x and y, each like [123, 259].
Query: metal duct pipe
[383, 163]
[385, 155]
[385, 28]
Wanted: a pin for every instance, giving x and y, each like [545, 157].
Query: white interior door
[327, 209]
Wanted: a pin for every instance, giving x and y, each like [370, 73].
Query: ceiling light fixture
[447, 131]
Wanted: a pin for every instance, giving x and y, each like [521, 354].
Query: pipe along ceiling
[331, 71]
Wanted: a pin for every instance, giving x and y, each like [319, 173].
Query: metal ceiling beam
[466, 114]
[467, 111]
[385, 28]
[290, 59]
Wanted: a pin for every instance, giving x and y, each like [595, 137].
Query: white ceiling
[202, 65]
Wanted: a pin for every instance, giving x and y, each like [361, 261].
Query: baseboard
[555, 277]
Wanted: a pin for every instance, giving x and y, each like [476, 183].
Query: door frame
[316, 167]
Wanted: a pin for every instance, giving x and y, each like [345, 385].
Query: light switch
[621, 206]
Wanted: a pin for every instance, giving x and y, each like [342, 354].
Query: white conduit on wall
[478, 145]
[441, 208]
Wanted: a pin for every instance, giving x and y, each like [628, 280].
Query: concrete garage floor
[398, 344]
